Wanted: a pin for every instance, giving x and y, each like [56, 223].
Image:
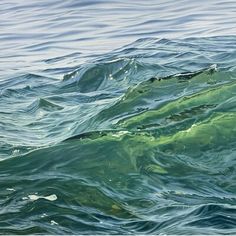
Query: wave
[140, 141]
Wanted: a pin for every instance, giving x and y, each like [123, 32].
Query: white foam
[10, 189]
[43, 215]
[53, 222]
[34, 197]
[120, 133]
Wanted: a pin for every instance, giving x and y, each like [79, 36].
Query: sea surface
[118, 117]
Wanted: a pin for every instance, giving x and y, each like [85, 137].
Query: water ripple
[101, 138]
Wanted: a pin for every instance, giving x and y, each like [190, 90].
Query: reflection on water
[55, 36]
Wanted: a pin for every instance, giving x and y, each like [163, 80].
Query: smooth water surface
[117, 118]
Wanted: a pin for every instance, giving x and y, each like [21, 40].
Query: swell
[124, 188]
[142, 140]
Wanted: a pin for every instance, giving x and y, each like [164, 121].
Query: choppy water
[135, 140]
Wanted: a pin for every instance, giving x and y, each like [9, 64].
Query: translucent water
[135, 140]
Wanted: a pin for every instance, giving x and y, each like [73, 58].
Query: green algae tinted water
[140, 140]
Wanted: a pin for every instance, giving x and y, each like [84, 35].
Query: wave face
[139, 141]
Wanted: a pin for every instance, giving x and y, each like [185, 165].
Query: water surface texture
[117, 118]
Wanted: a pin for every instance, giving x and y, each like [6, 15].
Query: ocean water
[117, 117]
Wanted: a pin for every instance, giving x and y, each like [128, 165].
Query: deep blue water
[117, 117]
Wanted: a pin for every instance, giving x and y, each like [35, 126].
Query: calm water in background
[117, 117]
[43, 35]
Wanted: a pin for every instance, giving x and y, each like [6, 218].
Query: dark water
[136, 140]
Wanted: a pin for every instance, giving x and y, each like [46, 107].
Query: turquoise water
[106, 130]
